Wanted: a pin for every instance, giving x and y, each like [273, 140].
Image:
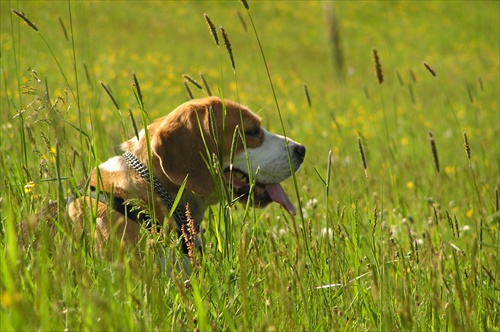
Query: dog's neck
[126, 183]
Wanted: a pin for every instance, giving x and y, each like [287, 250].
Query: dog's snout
[300, 151]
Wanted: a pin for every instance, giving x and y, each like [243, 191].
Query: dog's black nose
[300, 151]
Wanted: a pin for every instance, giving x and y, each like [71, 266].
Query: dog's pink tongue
[278, 195]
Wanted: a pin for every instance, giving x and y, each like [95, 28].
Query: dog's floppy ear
[179, 147]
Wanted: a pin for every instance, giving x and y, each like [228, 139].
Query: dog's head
[184, 142]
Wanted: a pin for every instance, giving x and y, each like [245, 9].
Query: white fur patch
[114, 164]
[270, 159]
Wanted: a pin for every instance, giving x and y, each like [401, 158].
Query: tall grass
[382, 240]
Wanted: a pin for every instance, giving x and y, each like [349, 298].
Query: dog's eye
[255, 132]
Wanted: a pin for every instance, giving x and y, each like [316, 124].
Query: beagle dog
[188, 152]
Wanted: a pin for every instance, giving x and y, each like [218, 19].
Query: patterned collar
[179, 216]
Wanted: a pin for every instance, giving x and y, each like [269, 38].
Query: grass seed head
[136, 132]
[412, 75]
[457, 229]
[365, 90]
[189, 233]
[497, 201]
[192, 81]
[25, 19]
[470, 93]
[450, 223]
[46, 141]
[212, 29]
[63, 28]
[234, 143]
[466, 146]
[363, 157]
[433, 73]
[434, 151]
[207, 88]
[245, 4]
[242, 20]
[400, 79]
[213, 124]
[138, 92]
[480, 81]
[306, 90]
[378, 66]
[334, 40]
[110, 94]
[228, 47]
[412, 95]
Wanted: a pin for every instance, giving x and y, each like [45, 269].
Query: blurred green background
[389, 234]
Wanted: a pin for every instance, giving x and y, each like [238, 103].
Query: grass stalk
[144, 116]
[329, 225]
[278, 109]
[434, 74]
[16, 45]
[224, 211]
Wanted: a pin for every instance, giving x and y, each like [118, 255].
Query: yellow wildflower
[450, 170]
[29, 187]
[8, 299]
[405, 141]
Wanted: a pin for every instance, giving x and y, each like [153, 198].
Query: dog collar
[118, 204]
[179, 217]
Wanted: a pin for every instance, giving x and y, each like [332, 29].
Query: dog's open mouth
[263, 194]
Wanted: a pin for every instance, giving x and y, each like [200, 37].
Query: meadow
[398, 220]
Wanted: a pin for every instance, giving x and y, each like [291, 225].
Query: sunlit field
[398, 198]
